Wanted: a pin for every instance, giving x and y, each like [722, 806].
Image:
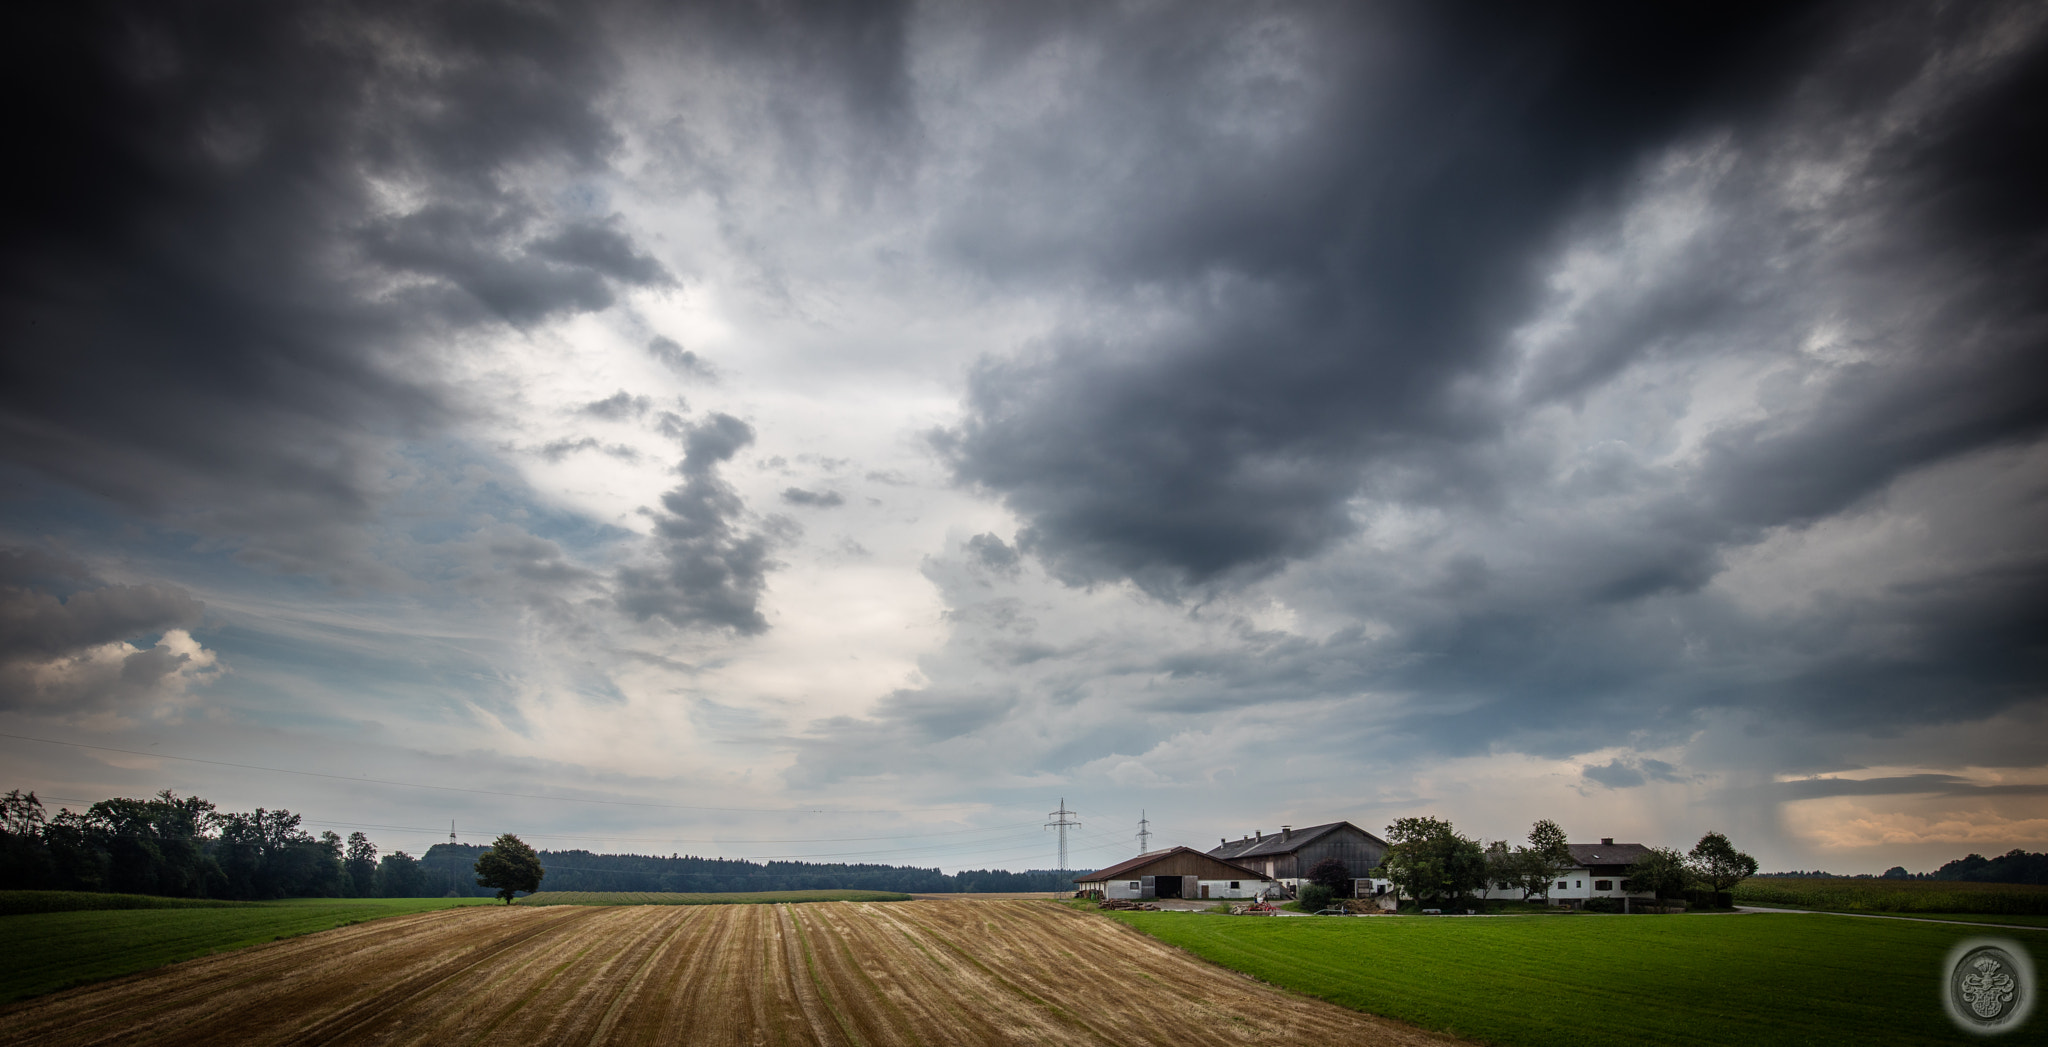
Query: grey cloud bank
[1505, 411]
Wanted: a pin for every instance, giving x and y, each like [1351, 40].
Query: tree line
[2014, 866]
[446, 868]
[185, 847]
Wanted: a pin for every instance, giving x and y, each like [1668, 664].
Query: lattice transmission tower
[1144, 833]
[1060, 821]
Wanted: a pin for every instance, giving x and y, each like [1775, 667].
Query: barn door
[1150, 888]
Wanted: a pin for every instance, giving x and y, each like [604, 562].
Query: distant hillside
[448, 867]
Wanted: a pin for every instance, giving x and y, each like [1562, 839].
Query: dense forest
[2014, 866]
[184, 847]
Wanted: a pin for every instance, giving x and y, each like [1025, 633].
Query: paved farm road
[923, 972]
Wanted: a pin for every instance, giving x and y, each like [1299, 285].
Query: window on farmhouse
[1603, 885]
[1561, 885]
[1135, 885]
[1576, 884]
[1234, 885]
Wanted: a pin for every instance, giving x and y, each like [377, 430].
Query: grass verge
[51, 950]
[728, 898]
[1594, 980]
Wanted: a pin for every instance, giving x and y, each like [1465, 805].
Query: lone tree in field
[1718, 864]
[510, 866]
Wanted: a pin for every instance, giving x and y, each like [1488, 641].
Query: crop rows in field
[59, 947]
[1895, 896]
[722, 898]
[922, 972]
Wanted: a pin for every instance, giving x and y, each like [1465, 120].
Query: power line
[1010, 826]
[508, 795]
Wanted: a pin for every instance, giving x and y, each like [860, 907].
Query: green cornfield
[1895, 896]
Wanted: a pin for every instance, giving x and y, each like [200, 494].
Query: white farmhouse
[1597, 872]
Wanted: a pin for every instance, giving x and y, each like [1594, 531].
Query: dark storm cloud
[993, 553]
[813, 499]
[482, 267]
[680, 360]
[1339, 332]
[557, 450]
[1343, 301]
[1625, 773]
[828, 98]
[713, 572]
[36, 621]
[54, 613]
[212, 312]
[618, 407]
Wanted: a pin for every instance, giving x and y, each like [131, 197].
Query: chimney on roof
[1287, 832]
[1221, 840]
[1261, 833]
[1607, 841]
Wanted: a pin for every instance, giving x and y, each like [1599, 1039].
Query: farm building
[1287, 856]
[1597, 873]
[1178, 872]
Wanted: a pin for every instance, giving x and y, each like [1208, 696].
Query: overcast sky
[748, 430]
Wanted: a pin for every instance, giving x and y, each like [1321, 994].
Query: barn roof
[1591, 854]
[1260, 847]
[1123, 870]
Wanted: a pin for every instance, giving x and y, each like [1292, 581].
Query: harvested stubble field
[923, 972]
[722, 898]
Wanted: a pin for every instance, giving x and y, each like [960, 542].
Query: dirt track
[925, 972]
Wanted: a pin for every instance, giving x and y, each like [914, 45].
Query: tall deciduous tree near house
[1546, 857]
[1430, 861]
[510, 866]
[1718, 864]
[1663, 871]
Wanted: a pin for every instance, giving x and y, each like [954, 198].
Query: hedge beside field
[1895, 896]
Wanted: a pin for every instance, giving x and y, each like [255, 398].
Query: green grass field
[44, 951]
[15, 903]
[728, 898]
[1612, 981]
[1902, 897]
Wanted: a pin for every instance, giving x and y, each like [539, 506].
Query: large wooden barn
[1288, 855]
[1178, 872]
